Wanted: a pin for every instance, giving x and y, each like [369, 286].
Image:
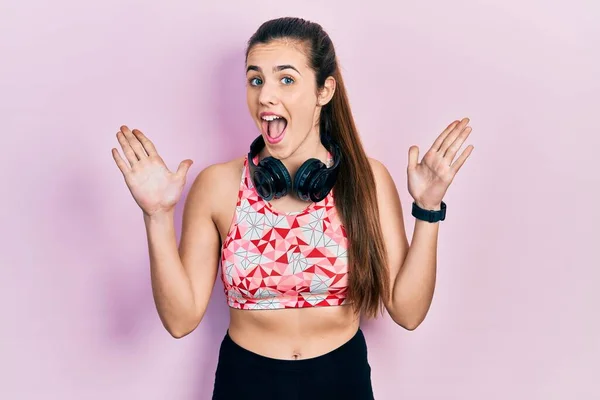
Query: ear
[326, 93]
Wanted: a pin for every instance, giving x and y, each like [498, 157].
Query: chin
[280, 150]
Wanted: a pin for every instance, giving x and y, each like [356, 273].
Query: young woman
[309, 230]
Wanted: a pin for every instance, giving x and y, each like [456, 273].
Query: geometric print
[272, 259]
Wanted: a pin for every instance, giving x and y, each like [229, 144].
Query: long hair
[355, 193]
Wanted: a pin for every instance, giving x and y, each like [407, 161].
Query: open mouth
[273, 127]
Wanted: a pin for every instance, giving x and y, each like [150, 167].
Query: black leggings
[343, 373]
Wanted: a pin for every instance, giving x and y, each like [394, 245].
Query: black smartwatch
[429, 215]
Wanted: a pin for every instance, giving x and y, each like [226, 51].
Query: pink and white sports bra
[273, 260]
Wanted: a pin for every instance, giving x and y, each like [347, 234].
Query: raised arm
[182, 279]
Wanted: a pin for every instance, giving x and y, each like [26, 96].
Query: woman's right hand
[154, 188]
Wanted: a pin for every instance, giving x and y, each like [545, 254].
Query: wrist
[428, 212]
[429, 207]
[159, 217]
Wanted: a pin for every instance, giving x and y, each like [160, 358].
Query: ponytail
[356, 202]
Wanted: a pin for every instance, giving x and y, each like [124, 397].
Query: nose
[268, 95]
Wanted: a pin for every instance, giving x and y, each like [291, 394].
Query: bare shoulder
[213, 195]
[380, 172]
[387, 192]
[216, 183]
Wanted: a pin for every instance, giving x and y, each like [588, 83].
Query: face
[283, 99]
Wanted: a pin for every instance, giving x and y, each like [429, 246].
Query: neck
[311, 147]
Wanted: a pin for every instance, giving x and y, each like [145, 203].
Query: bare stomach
[293, 334]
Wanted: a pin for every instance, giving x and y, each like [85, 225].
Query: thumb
[183, 168]
[413, 157]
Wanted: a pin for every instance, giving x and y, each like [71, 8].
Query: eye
[255, 81]
[287, 80]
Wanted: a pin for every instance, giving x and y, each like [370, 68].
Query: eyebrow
[275, 69]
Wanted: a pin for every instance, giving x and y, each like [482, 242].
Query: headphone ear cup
[306, 180]
[276, 181]
[320, 185]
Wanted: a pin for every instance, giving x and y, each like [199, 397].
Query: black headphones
[313, 180]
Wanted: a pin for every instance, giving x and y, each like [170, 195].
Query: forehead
[277, 52]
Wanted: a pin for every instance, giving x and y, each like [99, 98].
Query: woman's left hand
[429, 180]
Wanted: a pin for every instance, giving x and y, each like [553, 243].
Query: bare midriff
[293, 334]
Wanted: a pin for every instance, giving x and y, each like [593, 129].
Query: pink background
[515, 314]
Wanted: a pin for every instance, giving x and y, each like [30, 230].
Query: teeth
[271, 117]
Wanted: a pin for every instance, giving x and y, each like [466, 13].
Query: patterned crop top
[273, 260]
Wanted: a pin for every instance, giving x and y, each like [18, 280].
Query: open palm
[429, 179]
[154, 188]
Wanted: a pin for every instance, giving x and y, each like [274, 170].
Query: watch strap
[429, 215]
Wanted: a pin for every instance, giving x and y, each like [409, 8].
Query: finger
[127, 150]
[134, 143]
[438, 142]
[462, 158]
[452, 135]
[146, 143]
[413, 157]
[120, 162]
[183, 168]
[458, 142]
